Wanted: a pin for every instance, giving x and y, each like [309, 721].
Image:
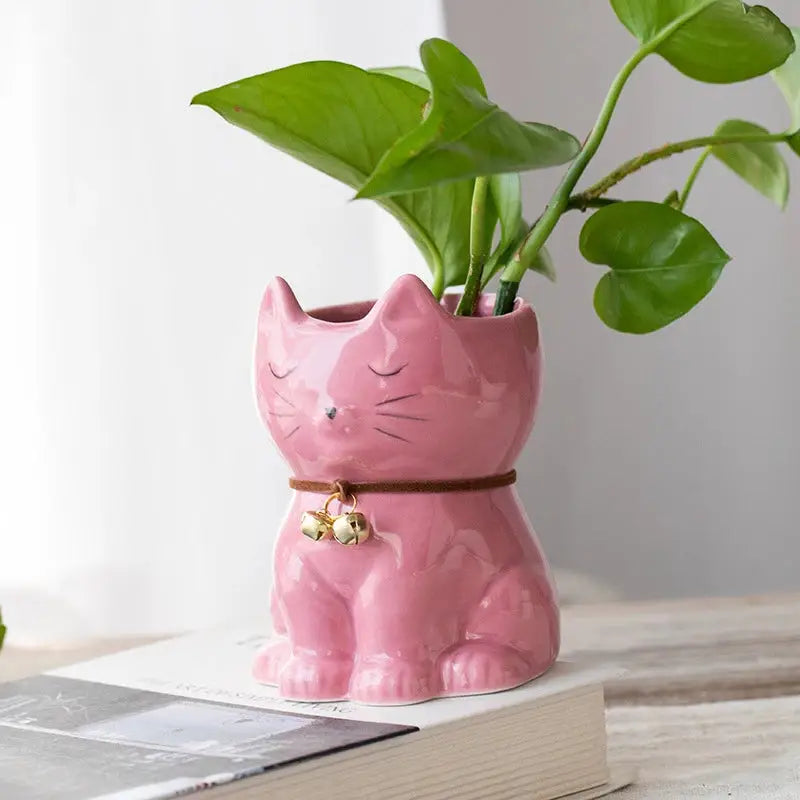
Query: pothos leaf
[464, 135]
[662, 263]
[341, 120]
[758, 163]
[787, 76]
[410, 74]
[506, 193]
[719, 41]
[543, 264]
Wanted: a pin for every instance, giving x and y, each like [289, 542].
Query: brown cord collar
[345, 488]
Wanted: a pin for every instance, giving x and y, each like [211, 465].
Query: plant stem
[690, 181]
[576, 203]
[667, 150]
[506, 295]
[437, 287]
[480, 243]
[539, 234]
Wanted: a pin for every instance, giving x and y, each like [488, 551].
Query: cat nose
[330, 413]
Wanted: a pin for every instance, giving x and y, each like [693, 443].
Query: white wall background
[667, 464]
[139, 492]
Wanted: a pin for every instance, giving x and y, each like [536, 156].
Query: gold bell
[316, 525]
[351, 528]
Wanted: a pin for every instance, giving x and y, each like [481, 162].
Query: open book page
[215, 665]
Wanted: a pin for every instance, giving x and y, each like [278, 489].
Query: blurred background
[138, 490]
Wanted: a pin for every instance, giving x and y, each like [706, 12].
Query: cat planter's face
[396, 389]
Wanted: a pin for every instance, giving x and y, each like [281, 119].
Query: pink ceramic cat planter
[450, 594]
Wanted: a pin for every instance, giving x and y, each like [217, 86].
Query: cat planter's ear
[280, 305]
[408, 298]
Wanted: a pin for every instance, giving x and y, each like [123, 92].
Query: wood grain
[736, 750]
[691, 651]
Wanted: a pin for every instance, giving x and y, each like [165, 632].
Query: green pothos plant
[433, 149]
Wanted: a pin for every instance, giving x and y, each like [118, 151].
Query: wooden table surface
[707, 705]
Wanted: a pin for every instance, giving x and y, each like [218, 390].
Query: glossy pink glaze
[451, 594]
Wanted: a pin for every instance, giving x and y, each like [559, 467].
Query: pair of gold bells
[349, 528]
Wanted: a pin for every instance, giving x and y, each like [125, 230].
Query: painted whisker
[400, 416]
[292, 432]
[395, 399]
[392, 435]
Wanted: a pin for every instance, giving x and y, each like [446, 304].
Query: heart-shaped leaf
[759, 163]
[464, 135]
[662, 263]
[719, 41]
[787, 76]
[410, 74]
[341, 120]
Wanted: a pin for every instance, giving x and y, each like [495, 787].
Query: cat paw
[478, 667]
[393, 682]
[270, 660]
[314, 678]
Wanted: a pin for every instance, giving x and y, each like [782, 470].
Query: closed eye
[386, 374]
[280, 375]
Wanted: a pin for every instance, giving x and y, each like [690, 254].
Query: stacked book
[183, 715]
